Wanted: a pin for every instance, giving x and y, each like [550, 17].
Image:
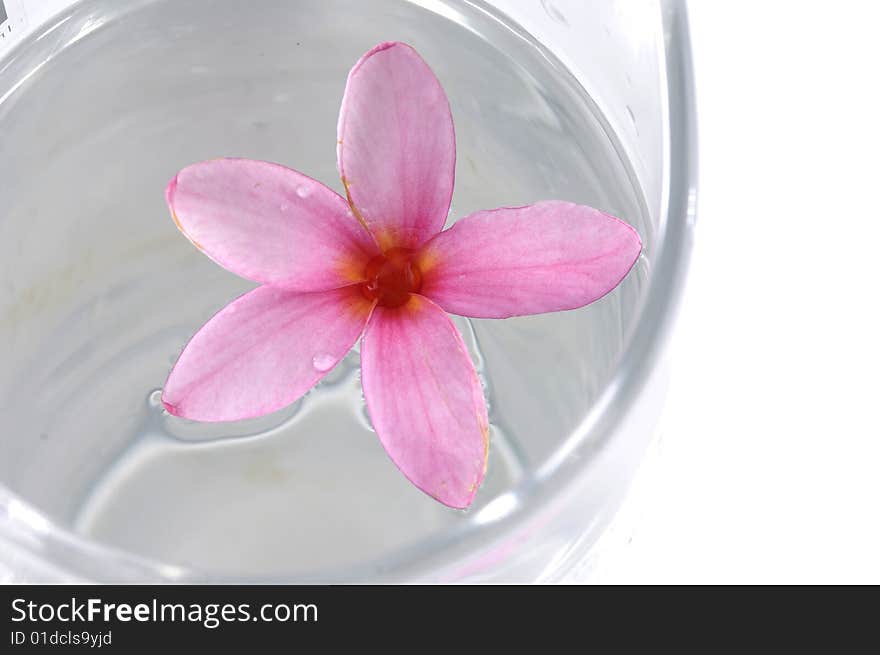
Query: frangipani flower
[376, 265]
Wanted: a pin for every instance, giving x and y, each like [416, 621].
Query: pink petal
[425, 400]
[270, 224]
[396, 146]
[263, 351]
[545, 257]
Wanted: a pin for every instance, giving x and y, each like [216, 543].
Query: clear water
[99, 291]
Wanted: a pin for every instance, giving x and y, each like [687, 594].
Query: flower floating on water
[376, 265]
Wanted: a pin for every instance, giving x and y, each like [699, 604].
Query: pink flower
[377, 264]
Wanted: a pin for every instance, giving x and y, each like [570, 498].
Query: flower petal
[263, 351]
[545, 257]
[425, 400]
[270, 224]
[396, 146]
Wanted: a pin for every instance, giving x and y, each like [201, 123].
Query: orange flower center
[391, 278]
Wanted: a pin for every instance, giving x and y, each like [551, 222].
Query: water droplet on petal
[323, 362]
[303, 191]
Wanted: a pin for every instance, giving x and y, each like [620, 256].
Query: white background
[768, 467]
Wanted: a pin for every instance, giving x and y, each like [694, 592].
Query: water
[100, 292]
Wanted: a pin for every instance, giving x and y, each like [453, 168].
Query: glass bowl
[588, 102]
